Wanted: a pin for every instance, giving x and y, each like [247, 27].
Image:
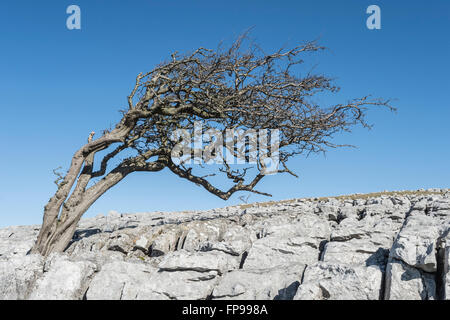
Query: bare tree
[229, 88]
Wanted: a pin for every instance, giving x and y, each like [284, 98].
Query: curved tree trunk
[56, 236]
[59, 225]
[65, 209]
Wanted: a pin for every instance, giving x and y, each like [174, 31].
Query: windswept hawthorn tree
[239, 87]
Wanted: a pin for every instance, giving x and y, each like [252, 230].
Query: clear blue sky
[57, 85]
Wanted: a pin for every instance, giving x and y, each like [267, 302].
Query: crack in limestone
[309, 244]
[244, 257]
[226, 296]
[197, 269]
[441, 267]
[302, 278]
[205, 278]
[322, 245]
[121, 291]
[168, 295]
[283, 251]
[383, 283]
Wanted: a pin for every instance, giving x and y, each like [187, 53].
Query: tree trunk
[56, 235]
[61, 217]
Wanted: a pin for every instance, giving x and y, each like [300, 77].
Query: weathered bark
[64, 210]
[57, 236]
[57, 232]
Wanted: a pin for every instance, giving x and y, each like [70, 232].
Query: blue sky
[57, 85]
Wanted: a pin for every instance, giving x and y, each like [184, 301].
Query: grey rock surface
[380, 246]
[260, 284]
[62, 279]
[338, 281]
